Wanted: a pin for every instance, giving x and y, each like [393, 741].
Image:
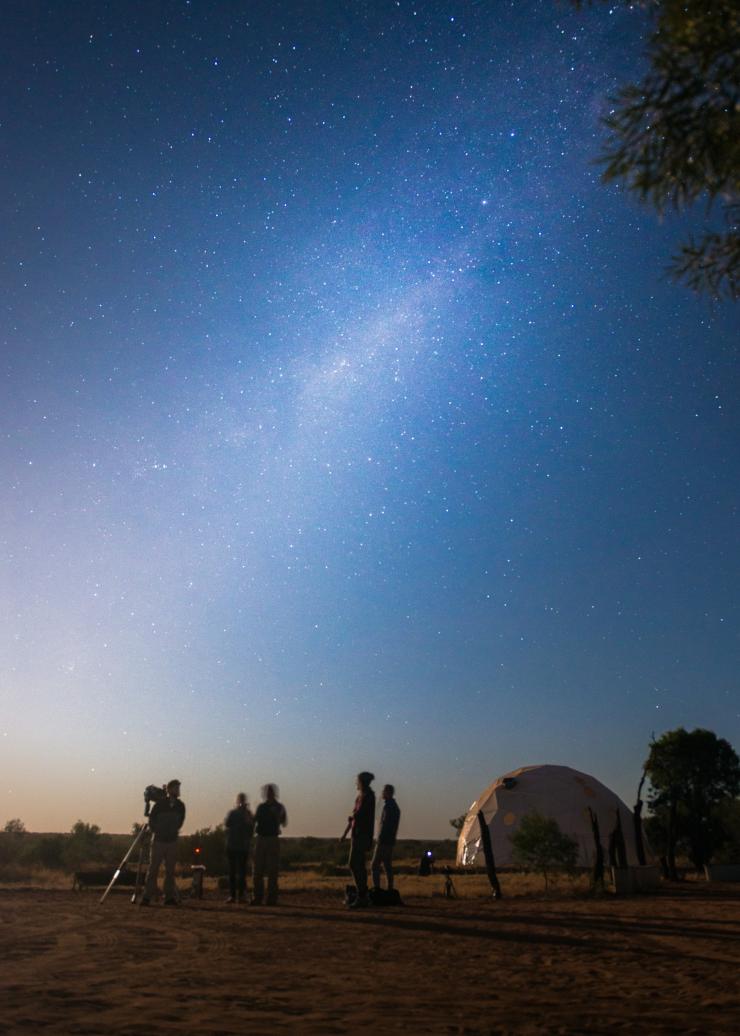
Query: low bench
[99, 878]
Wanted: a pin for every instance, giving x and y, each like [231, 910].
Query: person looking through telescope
[165, 820]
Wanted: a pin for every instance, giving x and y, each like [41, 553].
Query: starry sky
[347, 420]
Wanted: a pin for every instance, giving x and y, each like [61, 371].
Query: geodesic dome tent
[553, 791]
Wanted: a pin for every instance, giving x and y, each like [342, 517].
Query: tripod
[139, 840]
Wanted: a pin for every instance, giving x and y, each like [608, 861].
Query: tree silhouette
[84, 843]
[691, 775]
[457, 822]
[674, 137]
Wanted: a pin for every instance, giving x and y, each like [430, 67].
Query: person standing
[268, 820]
[387, 832]
[165, 820]
[361, 825]
[239, 823]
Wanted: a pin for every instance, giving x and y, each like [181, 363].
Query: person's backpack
[377, 897]
[385, 897]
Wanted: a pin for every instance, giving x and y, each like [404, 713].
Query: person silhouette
[239, 824]
[386, 840]
[269, 818]
[361, 824]
[165, 820]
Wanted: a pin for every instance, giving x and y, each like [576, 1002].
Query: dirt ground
[668, 963]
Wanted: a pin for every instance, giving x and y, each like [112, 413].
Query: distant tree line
[693, 812]
[22, 851]
[86, 846]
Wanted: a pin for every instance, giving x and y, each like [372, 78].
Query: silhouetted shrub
[539, 845]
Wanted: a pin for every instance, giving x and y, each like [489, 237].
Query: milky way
[348, 421]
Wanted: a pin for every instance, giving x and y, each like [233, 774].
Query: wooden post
[637, 822]
[598, 875]
[671, 853]
[620, 849]
[485, 838]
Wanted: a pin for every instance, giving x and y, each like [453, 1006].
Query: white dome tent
[553, 791]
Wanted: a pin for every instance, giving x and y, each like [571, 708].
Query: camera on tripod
[153, 793]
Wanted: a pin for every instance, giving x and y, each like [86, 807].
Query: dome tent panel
[558, 792]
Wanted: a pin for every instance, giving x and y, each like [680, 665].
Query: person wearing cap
[165, 820]
[269, 817]
[362, 826]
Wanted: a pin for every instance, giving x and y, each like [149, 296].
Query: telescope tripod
[140, 840]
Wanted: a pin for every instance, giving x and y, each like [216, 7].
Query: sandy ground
[668, 963]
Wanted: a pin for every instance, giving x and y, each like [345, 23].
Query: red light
[197, 851]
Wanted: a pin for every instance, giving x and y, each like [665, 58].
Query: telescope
[152, 793]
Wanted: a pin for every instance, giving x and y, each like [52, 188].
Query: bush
[84, 845]
[49, 852]
[539, 845]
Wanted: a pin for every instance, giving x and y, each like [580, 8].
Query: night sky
[347, 420]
